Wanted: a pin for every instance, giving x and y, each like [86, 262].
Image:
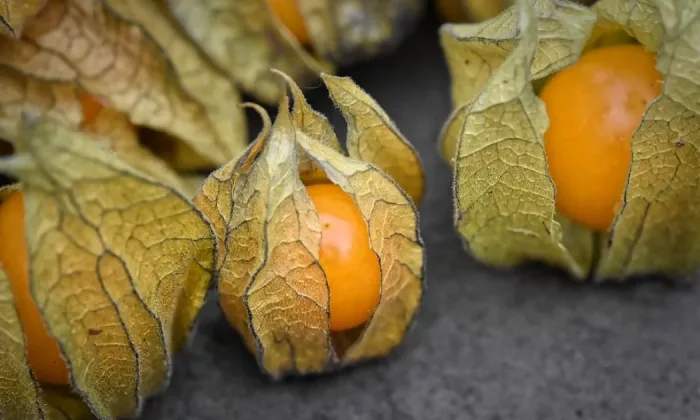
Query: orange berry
[91, 108]
[287, 11]
[42, 350]
[594, 107]
[351, 267]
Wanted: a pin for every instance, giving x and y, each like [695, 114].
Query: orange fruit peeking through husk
[323, 261]
[594, 106]
[43, 351]
[350, 265]
[574, 137]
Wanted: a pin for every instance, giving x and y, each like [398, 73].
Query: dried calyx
[119, 264]
[272, 286]
[504, 194]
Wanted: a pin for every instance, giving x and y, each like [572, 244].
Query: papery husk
[504, 195]
[119, 264]
[272, 288]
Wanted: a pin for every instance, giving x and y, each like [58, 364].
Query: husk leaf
[504, 197]
[373, 137]
[271, 286]
[313, 124]
[119, 264]
[474, 52]
[215, 195]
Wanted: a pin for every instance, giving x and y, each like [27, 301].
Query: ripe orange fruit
[287, 11]
[91, 108]
[351, 267]
[594, 107]
[42, 349]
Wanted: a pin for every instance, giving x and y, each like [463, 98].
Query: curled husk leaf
[503, 193]
[119, 266]
[271, 286]
[245, 38]
[134, 59]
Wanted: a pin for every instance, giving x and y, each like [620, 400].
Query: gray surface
[487, 344]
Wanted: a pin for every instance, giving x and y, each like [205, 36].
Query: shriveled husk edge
[61, 101]
[656, 229]
[502, 57]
